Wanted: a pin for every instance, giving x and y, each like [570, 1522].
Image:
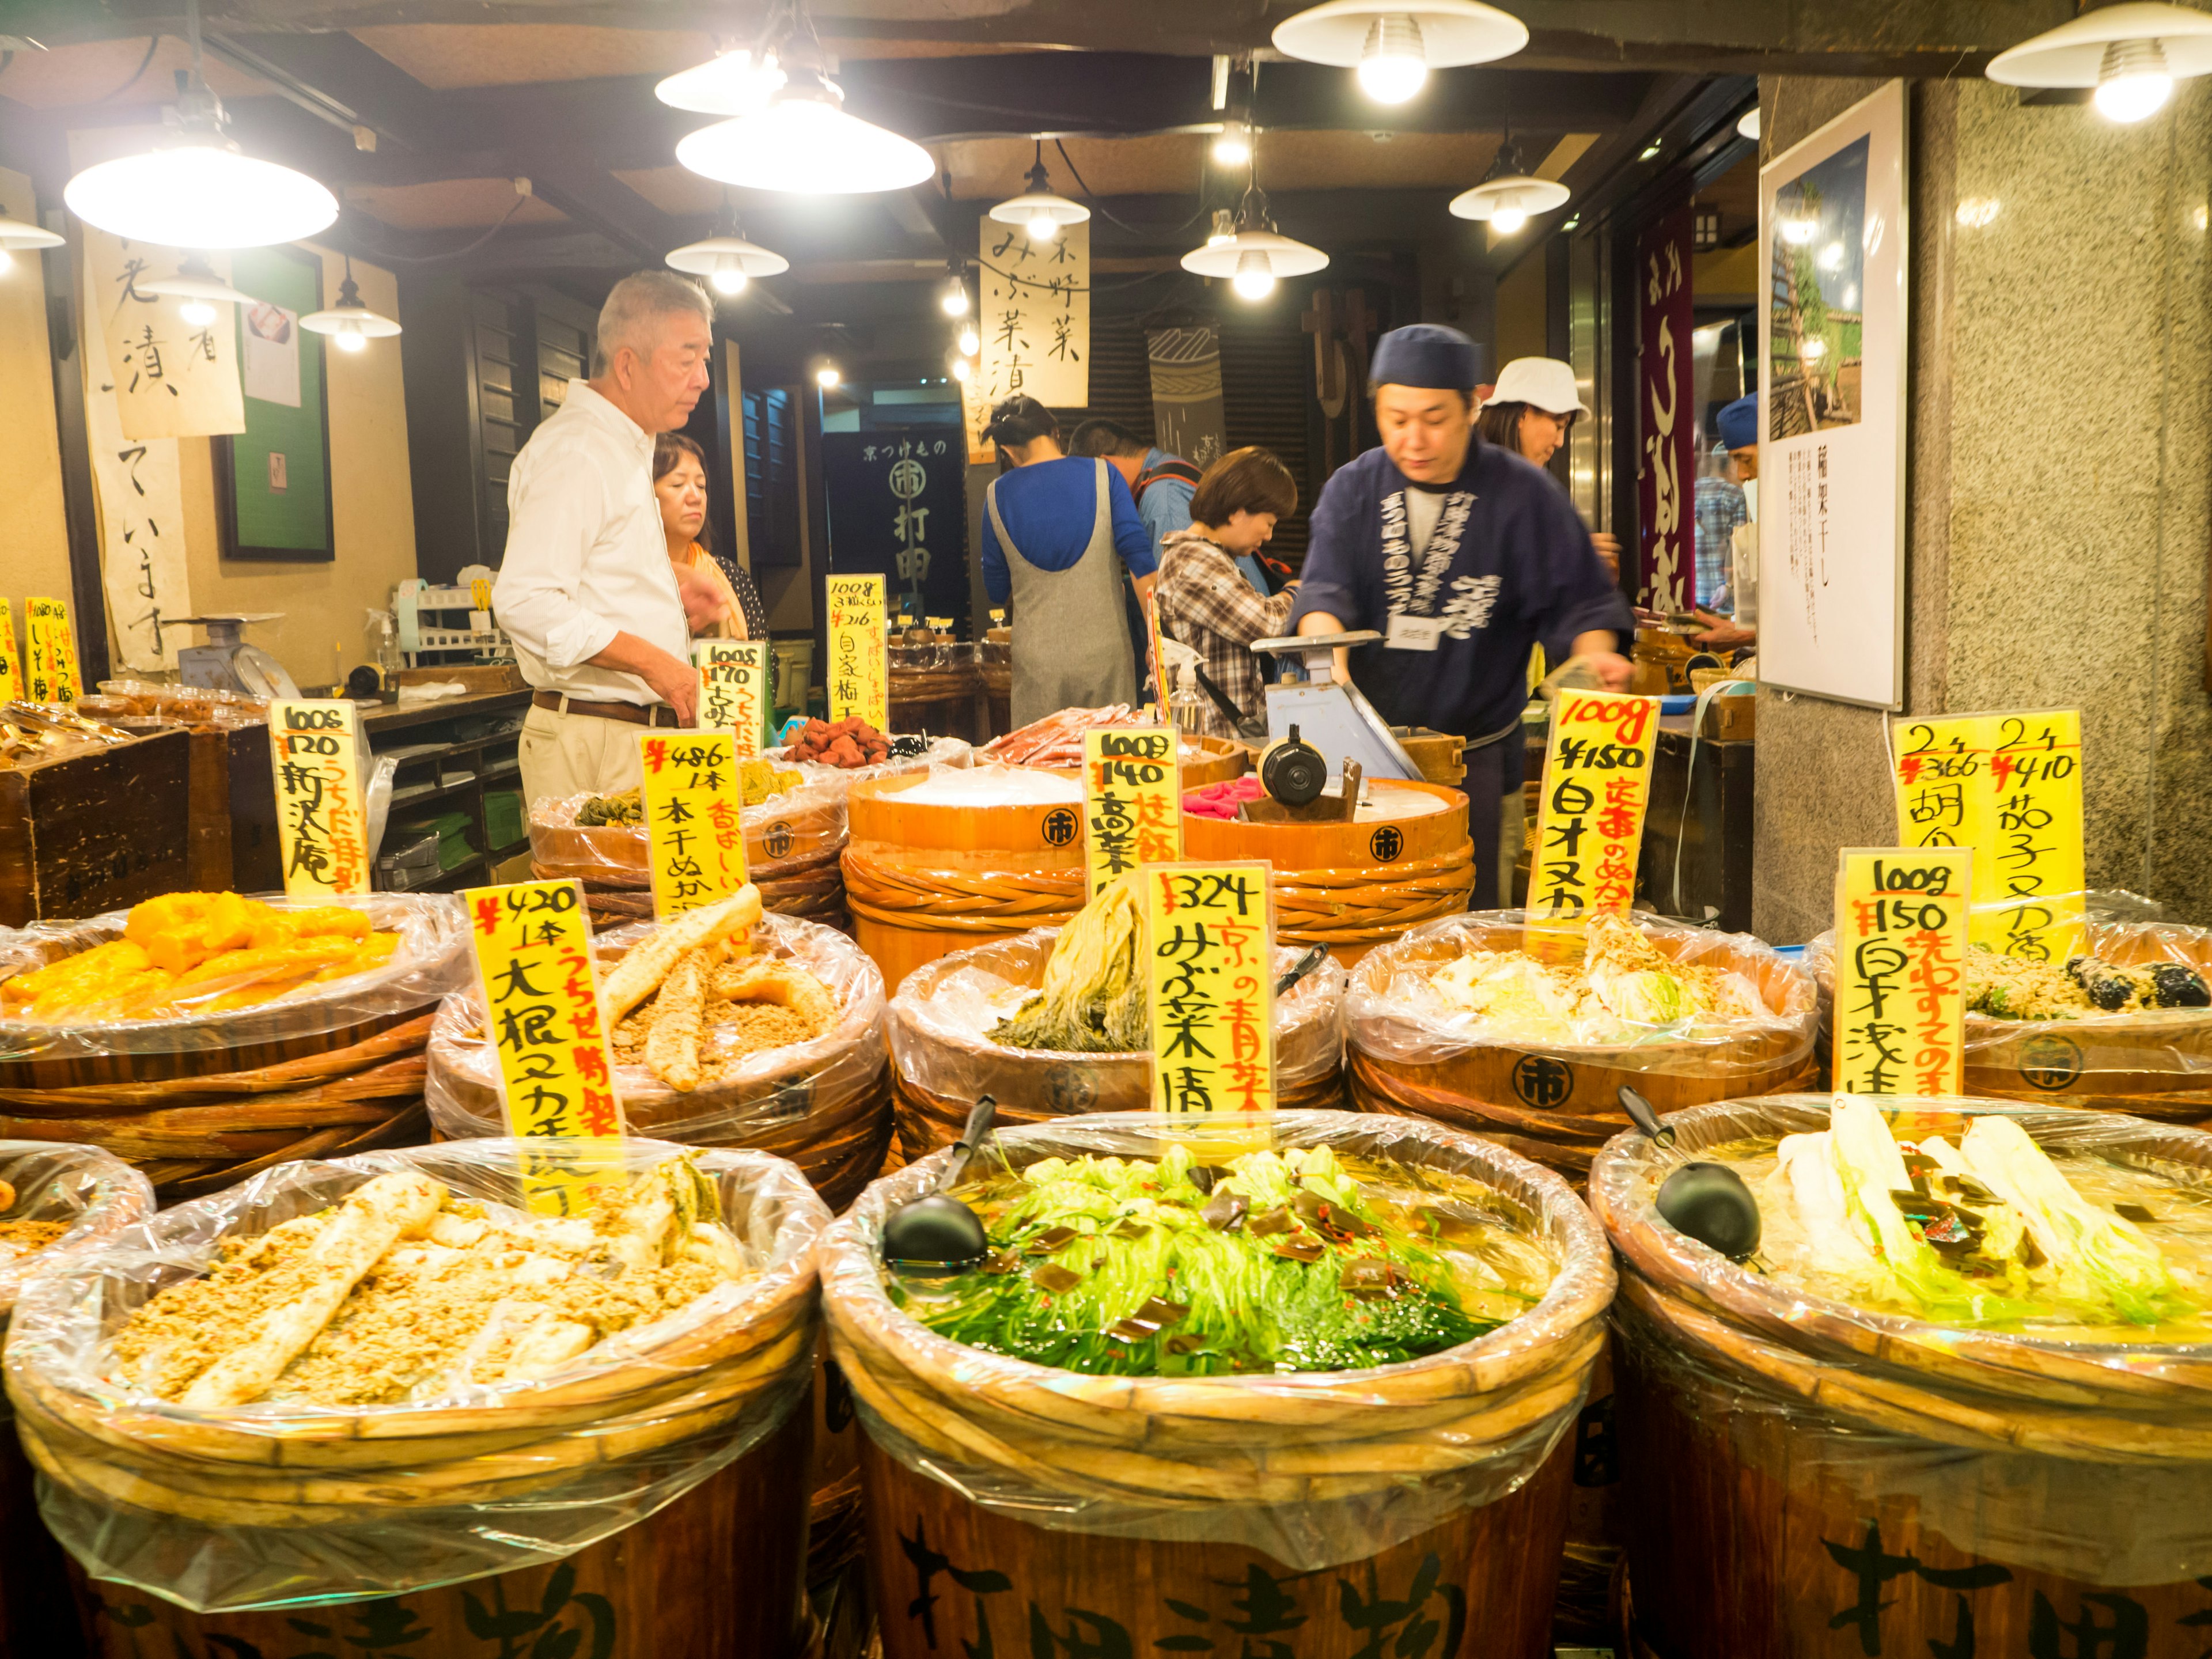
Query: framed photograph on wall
[1832, 336]
[272, 480]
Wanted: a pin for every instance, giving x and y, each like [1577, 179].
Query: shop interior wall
[1523, 314]
[2060, 446]
[37, 561]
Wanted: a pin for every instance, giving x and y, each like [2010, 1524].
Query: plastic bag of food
[1316, 1470]
[784, 834]
[89, 1194]
[940, 751]
[268, 1504]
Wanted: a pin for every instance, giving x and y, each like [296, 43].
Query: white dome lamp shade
[2130, 53]
[729, 263]
[1393, 44]
[732, 82]
[198, 287]
[1255, 257]
[1037, 209]
[350, 325]
[1509, 198]
[802, 141]
[20, 236]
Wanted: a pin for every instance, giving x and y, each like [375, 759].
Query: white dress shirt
[586, 557]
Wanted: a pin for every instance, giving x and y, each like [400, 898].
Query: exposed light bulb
[1043, 228]
[729, 279]
[1232, 148]
[1507, 220]
[199, 313]
[970, 344]
[349, 339]
[7, 259]
[961, 369]
[1394, 64]
[2127, 99]
[1254, 278]
[956, 298]
[827, 377]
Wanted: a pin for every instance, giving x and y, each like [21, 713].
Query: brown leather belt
[658, 714]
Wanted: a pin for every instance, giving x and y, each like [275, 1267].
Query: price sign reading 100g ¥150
[1589, 824]
[1900, 996]
[694, 819]
[1210, 948]
[322, 816]
[1131, 801]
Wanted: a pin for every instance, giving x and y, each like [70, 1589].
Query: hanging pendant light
[954, 302]
[197, 189]
[729, 263]
[349, 324]
[198, 287]
[732, 83]
[1507, 196]
[1393, 45]
[1254, 256]
[2131, 53]
[20, 236]
[1036, 209]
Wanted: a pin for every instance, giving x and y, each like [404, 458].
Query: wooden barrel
[942, 1065]
[1807, 1479]
[1352, 886]
[922, 881]
[1219, 760]
[1417, 1507]
[825, 1105]
[1559, 1105]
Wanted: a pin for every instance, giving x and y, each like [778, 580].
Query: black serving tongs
[936, 1236]
[1304, 965]
[1708, 1201]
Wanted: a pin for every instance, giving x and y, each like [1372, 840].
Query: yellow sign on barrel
[1901, 927]
[859, 674]
[1131, 801]
[51, 671]
[533, 946]
[693, 822]
[1589, 822]
[1209, 965]
[322, 814]
[733, 689]
[11, 666]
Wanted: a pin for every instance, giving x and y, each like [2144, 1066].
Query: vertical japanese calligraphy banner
[173, 378]
[1832, 238]
[1186, 414]
[1210, 944]
[322, 818]
[898, 507]
[1035, 319]
[859, 672]
[733, 691]
[11, 663]
[694, 807]
[1900, 996]
[1666, 395]
[533, 945]
[49, 653]
[1131, 801]
[1589, 821]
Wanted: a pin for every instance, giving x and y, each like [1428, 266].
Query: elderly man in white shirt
[600, 619]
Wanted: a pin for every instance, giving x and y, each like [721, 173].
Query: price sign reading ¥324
[1210, 940]
[1131, 801]
[50, 647]
[733, 689]
[533, 946]
[859, 671]
[322, 816]
[694, 807]
[1589, 823]
[1901, 927]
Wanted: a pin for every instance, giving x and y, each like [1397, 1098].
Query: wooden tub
[1560, 1105]
[1807, 1479]
[941, 1066]
[1353, 886]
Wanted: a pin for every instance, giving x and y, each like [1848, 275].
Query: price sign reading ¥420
[1131, 801]
[533, 949]
[322, 818]
[859, 672]
[733, 689]
[52, 650]
[1210, 938]
[1901, 925]
[1589, 823]
[694, 832]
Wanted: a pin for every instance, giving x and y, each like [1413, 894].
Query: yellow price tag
[1942, 769]
[533, 945]
[52, 649]
[1209, 962]
[694, 819]
[1589, 822]
[733, 689]
[859, 659]
[2035, 907]
[11, 666]
[1901, 927]
[322, 814]
[1131, 801]
[940, 624]
[479, 595]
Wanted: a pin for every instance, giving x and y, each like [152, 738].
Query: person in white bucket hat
[1530, 411]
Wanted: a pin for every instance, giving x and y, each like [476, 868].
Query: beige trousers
[566, 755]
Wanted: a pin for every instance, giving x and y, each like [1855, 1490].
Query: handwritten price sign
[693, 825]
[541, 997]
[1210, 938]
[54, 675]
[1901, 925]
[860, 658]
[733, 689]
[1131, 801]
[1589, 823]
[322, 816]
[11, 666]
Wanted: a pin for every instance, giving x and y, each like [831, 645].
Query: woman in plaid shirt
[1203, 600]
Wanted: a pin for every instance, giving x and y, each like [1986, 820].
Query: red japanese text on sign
[695, 830]
[1210, 941]
[1901, 929]
[322, 818]
[1131, 801]
[1589, 825]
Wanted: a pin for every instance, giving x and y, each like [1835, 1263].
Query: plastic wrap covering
[2155, 1063]
[95, 1192]
[1799, 1449]
[823, 1105]
[785, 835]
[1316, 1470]
[942, 752]
[940, 1018]
[195, 705]
[432, 958]
[269, 1505]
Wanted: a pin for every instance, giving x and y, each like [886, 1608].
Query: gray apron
[1070, 643]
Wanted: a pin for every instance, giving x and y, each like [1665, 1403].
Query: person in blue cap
[1462, 555]
[1721, 510]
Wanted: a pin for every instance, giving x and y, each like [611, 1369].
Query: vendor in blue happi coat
[1462, 557]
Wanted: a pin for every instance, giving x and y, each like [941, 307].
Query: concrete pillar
[2059, 452]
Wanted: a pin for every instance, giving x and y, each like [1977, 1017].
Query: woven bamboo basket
[825, 1105]
[922, 881]
[1134, 1506]
[942, 1063]
[1353, 886]
[210, 1517]
[1797, 1468]
[1560, 1105]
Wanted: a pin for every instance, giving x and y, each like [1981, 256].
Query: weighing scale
[1330, 714]
[226, 662]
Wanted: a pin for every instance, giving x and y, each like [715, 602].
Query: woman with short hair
[1205, 601]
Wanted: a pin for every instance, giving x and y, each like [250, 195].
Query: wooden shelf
[435, 747]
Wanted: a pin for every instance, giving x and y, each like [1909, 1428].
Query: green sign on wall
[273, 480]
